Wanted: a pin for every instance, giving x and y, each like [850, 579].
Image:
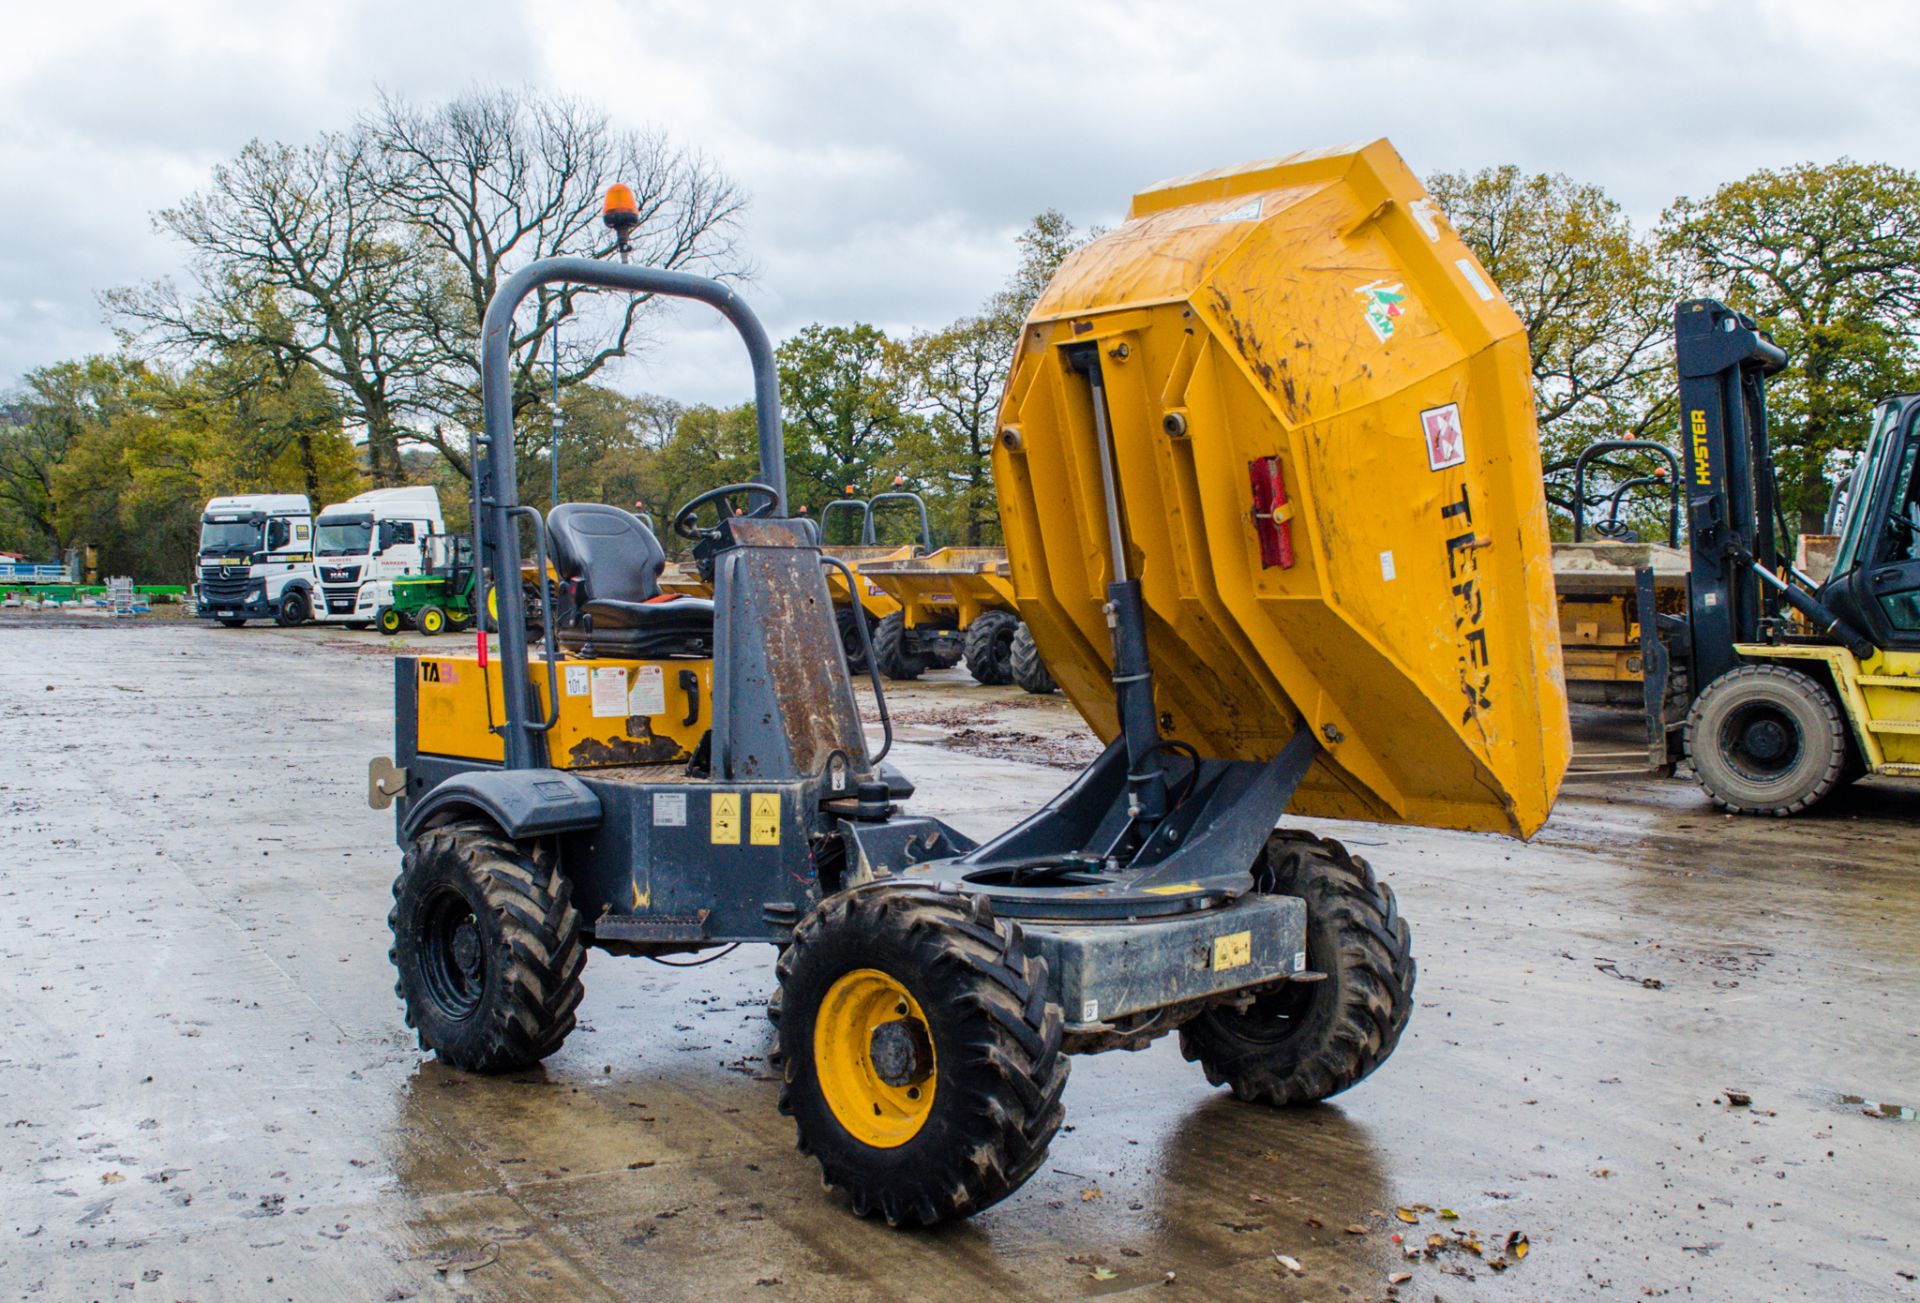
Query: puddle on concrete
[1873, 1108]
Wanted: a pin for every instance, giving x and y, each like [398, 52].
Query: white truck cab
[256, 559]
[367, 541]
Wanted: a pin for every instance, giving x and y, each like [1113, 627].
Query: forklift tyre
[1029, 671]
[988, 644]
[294, 610]
[1308, 1041]
[432, 620]
[890, 649]
[1766, 739]
[847, 620]
[388, 621]
[919, 1055]
[487, 946]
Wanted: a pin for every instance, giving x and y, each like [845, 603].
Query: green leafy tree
[843, 393]
[957, 376]
[1597, 304]
[1827, 258]
[53, 410]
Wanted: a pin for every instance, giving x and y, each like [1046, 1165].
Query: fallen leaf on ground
[1356, 1228]
[1091, 1193]
[1738, 1098]
[1103, 1273]
[1517, 1245]
[1291, 1264]
[1399, 1278]
[1407, 1215]
[111, 1178]
[1449, 1215]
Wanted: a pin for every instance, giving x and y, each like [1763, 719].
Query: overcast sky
[892, 151]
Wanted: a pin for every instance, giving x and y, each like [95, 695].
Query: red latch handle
[1272, 515]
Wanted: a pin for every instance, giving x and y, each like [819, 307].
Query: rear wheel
[388, 621]
[294, 610]
[1766, 739]
[1307, 1041]
[432, 620]
[848, 620]
[487, 946]
[919, 1055]
[1029, 671]
[988, 646]
[459, 621]
[890, 649]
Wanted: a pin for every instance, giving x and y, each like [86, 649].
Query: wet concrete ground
[206, 1090]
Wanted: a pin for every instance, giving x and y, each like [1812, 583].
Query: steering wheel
[686, 526]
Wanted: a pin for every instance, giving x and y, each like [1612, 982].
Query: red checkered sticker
[1446, 443]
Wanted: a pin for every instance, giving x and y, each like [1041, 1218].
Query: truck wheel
[848, 620]
[1766, 739]
[1029, 671]
[988, 647]
[294, 610]
[890, 649]
[432, 620]
[233, 622]
[388, 621]
[1307, 1041]
[487, 946]
[920, 1058]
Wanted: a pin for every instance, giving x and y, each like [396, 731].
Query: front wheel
[1029, 671]
[432, 620]
[1307, 1041]
[920, 1056]
[389, 621]
[988, 647]
[1765, 739]
[890, 649]
[848, 620]
[294, 610]
[487, 946]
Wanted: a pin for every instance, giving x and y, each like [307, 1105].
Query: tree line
[323, 333]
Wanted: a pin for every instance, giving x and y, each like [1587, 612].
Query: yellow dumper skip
[1329, 483]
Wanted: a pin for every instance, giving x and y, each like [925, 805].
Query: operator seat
[609, 565]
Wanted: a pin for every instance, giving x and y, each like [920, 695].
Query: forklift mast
[1732, 504]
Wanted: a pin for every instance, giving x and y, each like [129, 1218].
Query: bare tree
[496, 179]
[292, 249]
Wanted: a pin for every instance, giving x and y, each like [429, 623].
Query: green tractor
[440, 597]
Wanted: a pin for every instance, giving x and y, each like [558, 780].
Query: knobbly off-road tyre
[1766, 739]
[986, 1043]
[1308, 1041]
[890, 649]
[503, 996]
[848, 620]
[987, 647]
[1029, 671]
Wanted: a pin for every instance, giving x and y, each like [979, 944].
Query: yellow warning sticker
[1173, 889]
[726, 818]
[766, 819]
[1233, 950]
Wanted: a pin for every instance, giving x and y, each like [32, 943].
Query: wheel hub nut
[900, 1052]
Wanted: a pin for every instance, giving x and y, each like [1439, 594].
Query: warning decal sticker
[1446, 441]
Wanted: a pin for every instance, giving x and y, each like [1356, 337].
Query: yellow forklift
[1273, 501]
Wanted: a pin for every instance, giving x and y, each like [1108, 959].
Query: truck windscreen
[232, 537]
[342, 538]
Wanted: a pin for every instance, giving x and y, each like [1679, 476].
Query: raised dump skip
[1329, 486]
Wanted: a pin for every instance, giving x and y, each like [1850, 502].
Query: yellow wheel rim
[389, 619]
[884, 1111]
[493, 607]
[432, 622]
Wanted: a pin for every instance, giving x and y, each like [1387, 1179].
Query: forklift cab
[1876, 572]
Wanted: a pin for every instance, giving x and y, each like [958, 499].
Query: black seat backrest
[612, 552]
